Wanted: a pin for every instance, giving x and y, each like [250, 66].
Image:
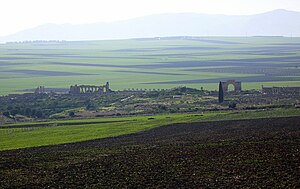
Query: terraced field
[151, 63]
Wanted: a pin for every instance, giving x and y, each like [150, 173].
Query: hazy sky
[16, 15]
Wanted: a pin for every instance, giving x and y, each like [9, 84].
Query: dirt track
[248, 153]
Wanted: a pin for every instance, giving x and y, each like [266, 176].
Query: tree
[39, 114]
[14, 112]
[232, 105]
[71, 114]
[162, 107]
[90, 107]
[221, 93]
[27, 112]
[33, 111]
[6, 114]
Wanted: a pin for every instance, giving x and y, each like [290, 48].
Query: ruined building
[281, 90]
[90, 89]
[40, 90]
[237, 85]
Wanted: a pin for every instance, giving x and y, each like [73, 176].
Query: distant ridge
[275, 23]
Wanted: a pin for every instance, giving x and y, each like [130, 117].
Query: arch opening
[228, 85]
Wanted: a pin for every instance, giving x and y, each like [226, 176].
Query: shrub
[232, 105]
[6, 114]
[71, 114]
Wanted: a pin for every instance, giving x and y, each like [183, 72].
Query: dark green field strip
[87, 64]
[46, 73]
[265, 62]
[187, 64]
[17, 58]
[242, 79]
[74, 56]
[267, 59]
[274, 62]
[221, 42]
[260, 69]
[10, 63]
[153, 73]
[37, 54]
[140, 50]
[190, 48]
[62, 124]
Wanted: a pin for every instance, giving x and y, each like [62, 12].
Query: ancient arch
[237, 85]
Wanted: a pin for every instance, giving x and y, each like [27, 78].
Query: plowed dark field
[231, 154]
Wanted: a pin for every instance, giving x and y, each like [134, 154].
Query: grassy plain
[24, 135]
[151, 63]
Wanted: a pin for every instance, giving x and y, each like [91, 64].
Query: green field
[23, 135]
[151, 63]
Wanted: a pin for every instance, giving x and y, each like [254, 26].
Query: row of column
[90, 89]
[86, 89]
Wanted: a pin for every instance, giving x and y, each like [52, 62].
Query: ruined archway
[237, 85]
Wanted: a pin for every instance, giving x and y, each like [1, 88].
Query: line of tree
[26, 112]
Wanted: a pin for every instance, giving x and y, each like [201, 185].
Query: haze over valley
[275, 23]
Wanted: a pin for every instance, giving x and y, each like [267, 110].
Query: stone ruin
[90, 89]
[281, 90]
[40, 90]
[237, 85]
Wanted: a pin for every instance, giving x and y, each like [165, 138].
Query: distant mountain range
[275, 23]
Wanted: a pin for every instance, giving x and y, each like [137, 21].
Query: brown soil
[232, 154]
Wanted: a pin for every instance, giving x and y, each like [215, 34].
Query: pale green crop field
[152, 63]
[25, 135]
